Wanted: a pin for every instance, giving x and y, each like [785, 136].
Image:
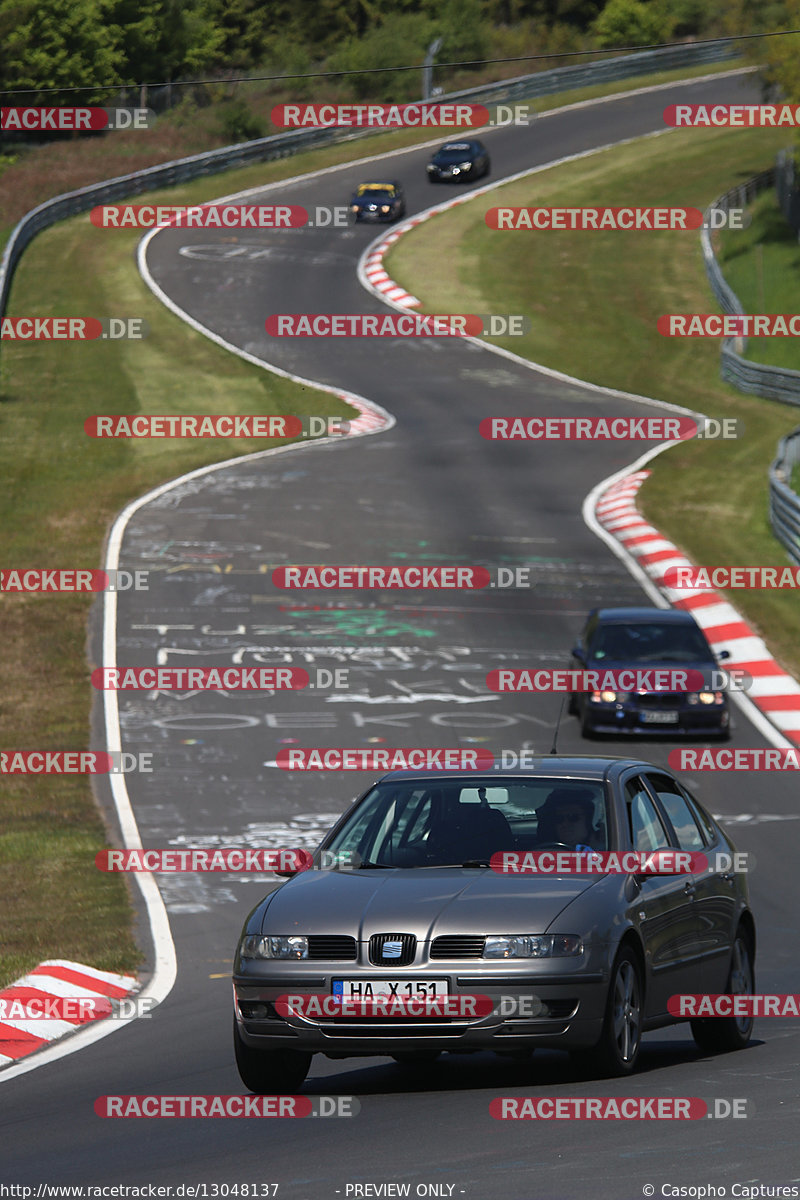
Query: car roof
[584, 767]
[669, 616]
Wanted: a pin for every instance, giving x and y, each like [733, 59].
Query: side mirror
[578, 652]
[722, 655]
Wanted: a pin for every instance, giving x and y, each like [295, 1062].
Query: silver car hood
[427, 902]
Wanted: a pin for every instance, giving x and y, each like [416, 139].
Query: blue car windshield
[649, 643]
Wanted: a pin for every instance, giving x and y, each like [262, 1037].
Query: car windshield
[653, 641]
[455, 148]
[431, 823]
[371, 191]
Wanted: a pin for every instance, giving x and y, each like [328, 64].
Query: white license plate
[660, 718]
[368, 989]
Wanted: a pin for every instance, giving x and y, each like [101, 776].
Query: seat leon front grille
[458, 946]
[392, 949]
[334, 947]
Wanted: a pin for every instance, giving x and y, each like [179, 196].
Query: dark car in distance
[459, 161]
[578, 961]
[619, 639]
[378, 201]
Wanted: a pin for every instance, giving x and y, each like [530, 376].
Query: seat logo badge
[392, 950]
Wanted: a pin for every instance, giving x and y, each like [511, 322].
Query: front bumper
[563, 1010]
[692, 721]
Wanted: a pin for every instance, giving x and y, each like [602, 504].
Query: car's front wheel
[270, 1072]
[718, 1035]
[617, 1051]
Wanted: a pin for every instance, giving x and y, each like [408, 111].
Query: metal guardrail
[284, 144]
[787, 187]
[759, 379]
[784, 504]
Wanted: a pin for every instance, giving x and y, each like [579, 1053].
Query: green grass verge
[61, 491]
[594, 299]
[762, 265]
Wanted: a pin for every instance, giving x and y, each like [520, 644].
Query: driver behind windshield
[566, 818]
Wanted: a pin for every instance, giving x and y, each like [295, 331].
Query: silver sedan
[504, 911]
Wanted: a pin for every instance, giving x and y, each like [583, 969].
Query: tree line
[48, 47]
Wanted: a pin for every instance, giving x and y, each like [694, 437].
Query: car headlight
[607, 697]
[532, 945]
[705, 698]
[465, 166]
[354, 208]
[386, 208]
[282, 946]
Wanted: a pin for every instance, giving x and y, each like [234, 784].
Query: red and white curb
[371, 419]
[374, 275]
[54, 979]
[774, 693]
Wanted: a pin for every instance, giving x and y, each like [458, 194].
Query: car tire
[617, 1052]
[270, 1072]
[416, 1058]
[720, 1035]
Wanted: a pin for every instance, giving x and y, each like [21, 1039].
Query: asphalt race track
[429, 490]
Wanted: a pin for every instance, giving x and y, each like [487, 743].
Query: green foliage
[630, 23]
[238, 123]
[47, 44]
[404, 40]
[165, 39]
[461, 25]
[782, 54]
